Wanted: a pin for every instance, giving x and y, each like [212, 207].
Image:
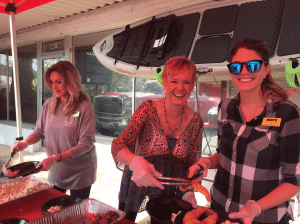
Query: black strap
[19, 138]
[146, 41]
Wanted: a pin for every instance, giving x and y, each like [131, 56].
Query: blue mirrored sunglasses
[252, 66]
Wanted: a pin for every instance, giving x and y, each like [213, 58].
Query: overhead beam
[110, 17]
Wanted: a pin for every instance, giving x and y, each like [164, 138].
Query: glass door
[44, 93]
[46, 63]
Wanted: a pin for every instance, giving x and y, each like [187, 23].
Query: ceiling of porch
[52, 11]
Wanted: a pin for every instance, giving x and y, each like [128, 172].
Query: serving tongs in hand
[174, 181]
[179, 181]
[11, 155]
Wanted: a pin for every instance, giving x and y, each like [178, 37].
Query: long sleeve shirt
[256, 157]
[75, 133]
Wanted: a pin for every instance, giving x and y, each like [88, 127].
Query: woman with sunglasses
[258, 155]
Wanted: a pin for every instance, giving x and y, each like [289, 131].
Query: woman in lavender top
[67, 123]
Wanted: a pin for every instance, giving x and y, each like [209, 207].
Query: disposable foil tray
[79, 213]
[47, 184]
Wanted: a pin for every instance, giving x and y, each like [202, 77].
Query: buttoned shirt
[256, 157]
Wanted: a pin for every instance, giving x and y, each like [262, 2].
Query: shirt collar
[235, 110]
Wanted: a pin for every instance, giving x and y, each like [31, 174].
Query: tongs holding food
[174, 181]
[186, 182]
[179, 181]
[11, 155]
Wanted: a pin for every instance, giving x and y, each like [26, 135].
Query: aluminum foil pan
[79, 213]
[48, 185]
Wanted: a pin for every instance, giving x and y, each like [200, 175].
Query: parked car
[204, 104]
[114, 110]
[213, 115]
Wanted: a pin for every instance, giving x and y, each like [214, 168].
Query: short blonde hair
[179, 64]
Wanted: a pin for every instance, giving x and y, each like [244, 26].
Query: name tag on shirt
[76, 114]
[271, 121]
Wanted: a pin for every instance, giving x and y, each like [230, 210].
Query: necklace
[172, 134]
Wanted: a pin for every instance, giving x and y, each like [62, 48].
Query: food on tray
[8, 172]
[109, 215]
[200, 215]
[21, 188]
[53, 209]
[107, 218]
[92, 218]
[198, 187]
[228, 222]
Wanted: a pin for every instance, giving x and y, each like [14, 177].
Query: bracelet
[60, 158]
[201, 167]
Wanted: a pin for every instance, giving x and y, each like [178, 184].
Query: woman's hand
[144, 173]
[247, 213]
[18, 146]
[194, 170]
[48, 163]
[189, 196]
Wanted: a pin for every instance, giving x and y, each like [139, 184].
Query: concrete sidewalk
[108, 181]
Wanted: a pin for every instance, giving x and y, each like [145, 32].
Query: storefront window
[27, 60]
[5, 87]
[110, 92]
[27, 64]
[47, 63]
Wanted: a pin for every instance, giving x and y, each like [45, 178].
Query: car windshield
[153, 87]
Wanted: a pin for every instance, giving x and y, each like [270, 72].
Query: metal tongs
[179, 181]
[11, 155]
[174, 181]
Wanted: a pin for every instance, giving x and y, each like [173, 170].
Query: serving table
[30, 207]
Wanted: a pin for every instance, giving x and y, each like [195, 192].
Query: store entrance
[44, 92]
[46, 63]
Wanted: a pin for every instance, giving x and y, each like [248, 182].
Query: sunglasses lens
[235, 68]
[253, 66]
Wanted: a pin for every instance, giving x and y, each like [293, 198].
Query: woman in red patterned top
[163, 138]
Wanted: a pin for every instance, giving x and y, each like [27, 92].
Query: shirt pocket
[227, 136]
[71, 122]
[261, 139]
[227, 128]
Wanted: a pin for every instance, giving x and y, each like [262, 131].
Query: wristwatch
[201, 169]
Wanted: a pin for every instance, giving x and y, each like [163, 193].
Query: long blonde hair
[71, 81]
[272, 92]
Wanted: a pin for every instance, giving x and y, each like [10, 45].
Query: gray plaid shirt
[255, 159]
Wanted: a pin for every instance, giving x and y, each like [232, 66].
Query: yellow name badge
[271, 121]
[76, 114]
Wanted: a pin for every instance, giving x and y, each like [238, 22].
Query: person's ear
[163, 82]
[268, 69]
